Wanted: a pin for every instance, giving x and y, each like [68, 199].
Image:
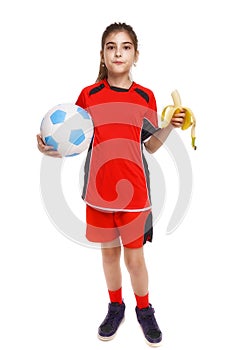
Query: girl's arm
[156, 140]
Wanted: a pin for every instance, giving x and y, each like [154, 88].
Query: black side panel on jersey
[86, 169]
[147, 173]
[147, 130]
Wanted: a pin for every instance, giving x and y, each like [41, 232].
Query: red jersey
[116, 172]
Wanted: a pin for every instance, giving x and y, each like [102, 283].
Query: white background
[53, 293]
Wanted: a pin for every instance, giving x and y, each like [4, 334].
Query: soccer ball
[68, 128]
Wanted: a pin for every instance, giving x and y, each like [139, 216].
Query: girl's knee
[110, 254]
[134, 261]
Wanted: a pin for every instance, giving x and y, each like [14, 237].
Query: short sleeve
[81, 100]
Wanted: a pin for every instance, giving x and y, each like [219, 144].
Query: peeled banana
[189, 120]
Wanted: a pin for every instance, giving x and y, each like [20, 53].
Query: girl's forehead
[120, 36]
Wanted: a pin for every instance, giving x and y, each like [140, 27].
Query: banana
[189, 120]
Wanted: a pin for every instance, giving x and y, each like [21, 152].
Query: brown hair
[112, 28]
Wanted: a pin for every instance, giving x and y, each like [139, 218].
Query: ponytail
[102, 72]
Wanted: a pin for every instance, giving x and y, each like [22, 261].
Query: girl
[116, 186]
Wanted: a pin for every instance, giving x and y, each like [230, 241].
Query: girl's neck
[119, 81]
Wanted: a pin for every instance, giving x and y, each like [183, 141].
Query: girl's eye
[127, 47]
[110, 47]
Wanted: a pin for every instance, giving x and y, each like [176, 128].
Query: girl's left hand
[178, 119]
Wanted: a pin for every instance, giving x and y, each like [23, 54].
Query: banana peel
[189, 120]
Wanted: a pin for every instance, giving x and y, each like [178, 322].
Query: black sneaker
[113, 319]
[149, 325]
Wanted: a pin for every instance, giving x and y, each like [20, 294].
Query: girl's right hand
[46, 150]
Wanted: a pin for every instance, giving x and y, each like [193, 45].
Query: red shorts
[134, 228]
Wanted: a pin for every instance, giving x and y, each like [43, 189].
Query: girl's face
[119, 53]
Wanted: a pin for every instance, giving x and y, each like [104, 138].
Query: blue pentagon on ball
[50, 141]
[58, 116]
[76, 137]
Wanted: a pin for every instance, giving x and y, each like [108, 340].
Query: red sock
[116, 296]
[142, 301]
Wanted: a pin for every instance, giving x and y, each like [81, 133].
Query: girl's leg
[116, 308]
[111, 267]
[135, 263]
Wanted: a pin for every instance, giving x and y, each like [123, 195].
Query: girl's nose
[117, 52]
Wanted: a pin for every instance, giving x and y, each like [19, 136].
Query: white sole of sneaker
[153, 345]
[112, 336]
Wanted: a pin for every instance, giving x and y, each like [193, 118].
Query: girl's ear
[136, 56]
[101, 57]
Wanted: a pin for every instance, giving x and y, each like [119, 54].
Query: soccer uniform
[116, 184]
